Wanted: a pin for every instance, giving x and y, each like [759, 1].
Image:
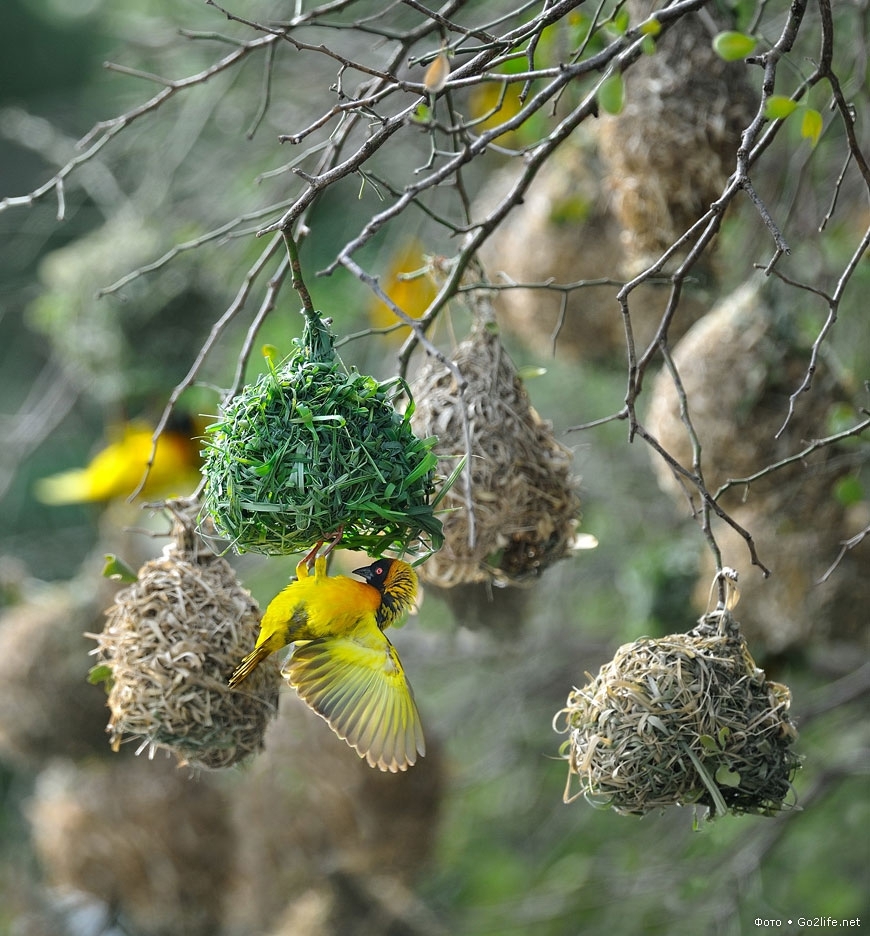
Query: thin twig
[845, 547]
[791, 459]
[104, 131]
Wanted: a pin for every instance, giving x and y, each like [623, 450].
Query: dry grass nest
[738, 367]
[169, 643]
[566, 233]
[522, 498]
[312, 449]
[668, 154]
[679, 720]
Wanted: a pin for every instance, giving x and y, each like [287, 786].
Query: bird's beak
[364, 572]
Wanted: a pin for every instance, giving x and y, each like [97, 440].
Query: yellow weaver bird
[343, 666]
[117, 470]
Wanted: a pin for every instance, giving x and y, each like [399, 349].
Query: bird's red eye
[379, 570]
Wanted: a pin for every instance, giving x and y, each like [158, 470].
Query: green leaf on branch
[611, 94]
[778, 107]
[732, 46]
[621, 22]
[811, 125]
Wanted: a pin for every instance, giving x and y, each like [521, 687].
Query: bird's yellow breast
[315, 607]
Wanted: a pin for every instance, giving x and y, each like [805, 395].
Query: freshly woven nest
[679, 720]
[311, 449]
[521, 511]
[150, 844]
[169, 643]
[669, 152]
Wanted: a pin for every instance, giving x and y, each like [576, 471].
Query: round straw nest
[683, 719]
[520, 513]
[169, 643]
[311, 449]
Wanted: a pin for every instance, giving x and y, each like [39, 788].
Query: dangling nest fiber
[169, 643]
[311, 449]
[681, 720]
[523, 498]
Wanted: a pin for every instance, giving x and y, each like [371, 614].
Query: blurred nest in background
[150, 844]
[738, 366]
[131, 357]
[564, 233]
[311, 449]
[681, 720]
[47, 708]
[520, 511]
[169, 643]
[669, 153]
[339, 819]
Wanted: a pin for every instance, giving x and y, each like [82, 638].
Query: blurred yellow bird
[342, 665]
[117, 470]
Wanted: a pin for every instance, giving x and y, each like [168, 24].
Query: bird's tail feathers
[69, 487]
[248, 665]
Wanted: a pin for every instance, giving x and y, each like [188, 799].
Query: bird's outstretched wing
[356, 682]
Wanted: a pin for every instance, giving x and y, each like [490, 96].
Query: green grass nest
[312, 449]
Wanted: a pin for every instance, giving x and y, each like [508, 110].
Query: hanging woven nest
[169, 643]
[520, 512]
[681, 720]
[669, 153]
[311, 449]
